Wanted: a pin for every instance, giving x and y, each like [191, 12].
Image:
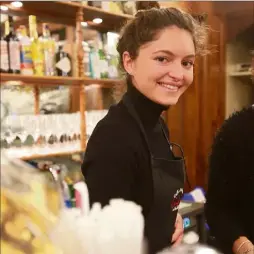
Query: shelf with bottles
[65, 12]
[98, 66]
[38, 62]
[33, 54]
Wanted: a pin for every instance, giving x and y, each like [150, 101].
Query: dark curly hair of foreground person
[230, 195]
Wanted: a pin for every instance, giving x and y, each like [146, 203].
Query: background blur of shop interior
[58, 76]
[77, 70]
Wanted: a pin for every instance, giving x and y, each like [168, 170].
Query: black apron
[168, 182]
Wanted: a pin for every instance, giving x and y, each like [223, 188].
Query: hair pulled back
[149, 20]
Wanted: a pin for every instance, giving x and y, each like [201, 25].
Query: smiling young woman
[129, 154]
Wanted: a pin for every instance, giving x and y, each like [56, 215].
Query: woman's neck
[147, 110]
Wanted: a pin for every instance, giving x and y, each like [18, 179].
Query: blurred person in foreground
[230, 196]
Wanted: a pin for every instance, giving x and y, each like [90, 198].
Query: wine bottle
[12, 47]
[63, 63]
[4, 61]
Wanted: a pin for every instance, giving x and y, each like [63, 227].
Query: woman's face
[163, 69]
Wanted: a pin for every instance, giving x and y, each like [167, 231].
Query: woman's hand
[243, 245]
[178, 234]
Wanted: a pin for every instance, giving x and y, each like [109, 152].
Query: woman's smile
[169, 86]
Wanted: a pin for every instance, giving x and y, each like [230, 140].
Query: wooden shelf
[18, 79]
[107, 83]
[65, 13]
[240, 74]
[42, 156]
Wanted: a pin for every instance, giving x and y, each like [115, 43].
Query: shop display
[39, 56]
[26, 135]
[35, 220]
[42, 56]
[32, 55]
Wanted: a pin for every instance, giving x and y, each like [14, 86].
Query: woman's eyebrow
[168, 52]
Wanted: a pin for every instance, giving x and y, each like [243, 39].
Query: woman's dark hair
[151, 20]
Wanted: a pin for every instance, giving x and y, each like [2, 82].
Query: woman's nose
[176, 71]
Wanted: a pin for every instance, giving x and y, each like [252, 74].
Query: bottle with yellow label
[49, 50]
[25, 52]
[36, 48]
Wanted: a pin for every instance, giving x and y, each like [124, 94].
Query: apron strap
[171, 144]
[128, 104]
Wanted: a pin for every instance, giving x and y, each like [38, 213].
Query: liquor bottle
[110, 40]
[63, 63]
[103, 61]
[86, 63]
[12, 47]
[48, 45]
[4, 61]
[36, 48]
[94, 64]
[25, 52]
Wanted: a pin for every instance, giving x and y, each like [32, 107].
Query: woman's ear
[128, 62]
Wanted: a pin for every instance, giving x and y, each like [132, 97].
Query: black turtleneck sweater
[117, 159]
[149, 113]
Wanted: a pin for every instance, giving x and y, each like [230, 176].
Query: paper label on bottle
[14, 55]
[64, 65]
[26, 60]
[26, 54]
[4, 56]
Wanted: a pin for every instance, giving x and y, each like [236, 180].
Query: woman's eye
[188, 64]
[161, 59]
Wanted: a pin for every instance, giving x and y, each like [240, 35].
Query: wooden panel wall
[201, 110]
